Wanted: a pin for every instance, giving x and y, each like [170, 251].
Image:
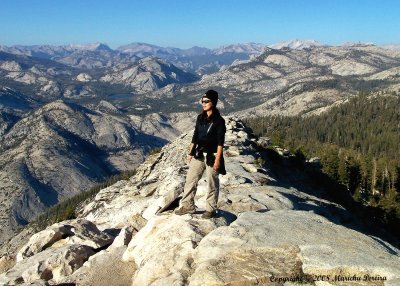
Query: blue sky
[207, 23]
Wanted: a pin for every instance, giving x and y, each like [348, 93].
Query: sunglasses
[205, 101]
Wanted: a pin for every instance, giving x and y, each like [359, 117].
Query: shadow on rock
[228, 216]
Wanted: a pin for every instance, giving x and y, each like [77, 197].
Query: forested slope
[357, 143]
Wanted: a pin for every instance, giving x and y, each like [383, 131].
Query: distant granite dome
[84, 77]
[148, 74]
[296, 44]
[91, 47]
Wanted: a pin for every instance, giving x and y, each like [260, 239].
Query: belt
[205, 154]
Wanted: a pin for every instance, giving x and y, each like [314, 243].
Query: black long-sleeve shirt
[209, 132]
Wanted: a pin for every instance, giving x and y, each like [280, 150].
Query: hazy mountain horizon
[115, 47]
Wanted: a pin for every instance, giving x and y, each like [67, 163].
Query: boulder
[105, 268]
[250, 168]
[79, 231]
[50, 264]
[86, 233]
[163, 248]
[136, 221]
[43, 239]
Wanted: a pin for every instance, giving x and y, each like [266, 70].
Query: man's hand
[189, 158]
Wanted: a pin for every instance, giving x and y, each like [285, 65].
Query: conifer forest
[357, 143]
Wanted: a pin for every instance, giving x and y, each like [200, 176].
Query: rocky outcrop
[175, 238]
[52, 264]
[84, 77]
[268, 231]
[40, 75]
[81, 232]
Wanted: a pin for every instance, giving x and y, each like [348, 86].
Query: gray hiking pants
[196, 170]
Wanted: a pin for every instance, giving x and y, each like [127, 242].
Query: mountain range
[288, 81]
[89, 111]
[288, 70]
[92, 56]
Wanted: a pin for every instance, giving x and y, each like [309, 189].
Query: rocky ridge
[148, 74]
[290, 82]
[91, 56]
[40, 74]
[13, 106]
[266, 231]
[47, 80]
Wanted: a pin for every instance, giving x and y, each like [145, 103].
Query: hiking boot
[185, 210]
[208, 214]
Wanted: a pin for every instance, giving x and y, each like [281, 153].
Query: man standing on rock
[205, 155]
